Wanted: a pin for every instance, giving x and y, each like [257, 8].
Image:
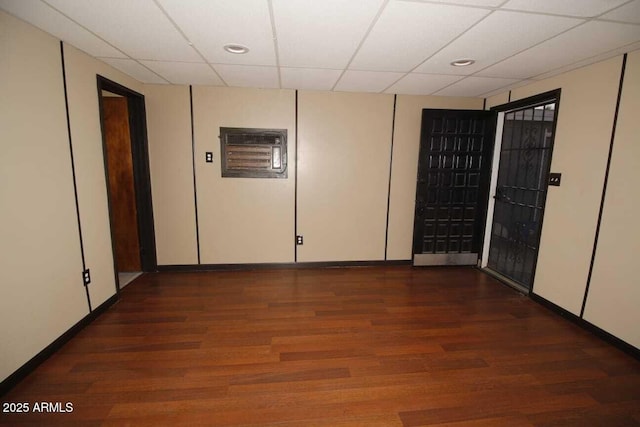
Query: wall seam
[193, 165]
[73, 170]
[295, 186]
[393, 129]
[604, 186]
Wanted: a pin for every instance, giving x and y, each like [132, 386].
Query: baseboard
[35, 361]
[601, 333]
[277, 266]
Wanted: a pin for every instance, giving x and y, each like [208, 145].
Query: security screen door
[525, 157]
[453, 186]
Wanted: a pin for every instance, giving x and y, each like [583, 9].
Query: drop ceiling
[383, 46]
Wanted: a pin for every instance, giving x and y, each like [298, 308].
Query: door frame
[532, 101]
[141, 173]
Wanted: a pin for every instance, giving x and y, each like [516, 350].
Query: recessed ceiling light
[462, 62]
[237, 49]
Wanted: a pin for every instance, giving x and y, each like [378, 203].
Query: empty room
[320, 212]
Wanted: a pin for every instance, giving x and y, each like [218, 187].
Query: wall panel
[243, 220]
[171, 163]
[614, 293]
[499, 99]
[40, 259]
[343, 175]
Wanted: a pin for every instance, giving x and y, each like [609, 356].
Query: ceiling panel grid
[379, 46]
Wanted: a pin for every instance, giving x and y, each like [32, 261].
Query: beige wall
[406, 147]
[499, 99]
[171, 163]
[229, 232]
[86, 134]
[585, 120]
[43, 294]
[243, 220]
[343, 175]
[40, 261]
[613, 302]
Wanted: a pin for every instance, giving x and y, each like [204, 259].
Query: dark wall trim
[193, 164]
[393, 130]
[604, 186]
[73, 169]
[278, 266]
[509, 99]
[484, 104]
[21, 373]
[295, 190]
[531, 101]
[141, 170]
[615, 341]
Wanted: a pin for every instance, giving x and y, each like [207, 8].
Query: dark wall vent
[253, 153]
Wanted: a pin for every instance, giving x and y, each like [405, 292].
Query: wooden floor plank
[374, 346]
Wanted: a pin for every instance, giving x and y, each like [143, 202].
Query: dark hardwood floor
[374, 346]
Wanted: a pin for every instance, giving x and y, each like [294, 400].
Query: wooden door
[453, 186]
[124, 215]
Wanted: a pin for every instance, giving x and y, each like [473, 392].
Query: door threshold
[511, 283]
[420, 260]
[126, 277]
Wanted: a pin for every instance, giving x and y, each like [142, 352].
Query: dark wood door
[122, 196]
[454, 170]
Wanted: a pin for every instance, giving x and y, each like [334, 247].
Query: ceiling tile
[422, 84]
[184, 73]
[309, 78]
[485, 3]
[134, 69]
[53, 22]
[475, 86]
[248, 75]
[582, 8]
[210, 24]
[487, 42]
[511, 87]
[591, 60]
[409, 32]
[627, 13]
[566, 49]
[321, 34]
[366, 81]
[139, 28]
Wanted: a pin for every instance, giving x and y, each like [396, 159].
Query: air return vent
[253, 153]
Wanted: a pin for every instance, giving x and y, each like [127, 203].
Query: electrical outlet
[554, 179]
[209, 157]
[299, 240]
[86, 277]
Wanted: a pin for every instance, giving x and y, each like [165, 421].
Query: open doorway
[123, 124]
